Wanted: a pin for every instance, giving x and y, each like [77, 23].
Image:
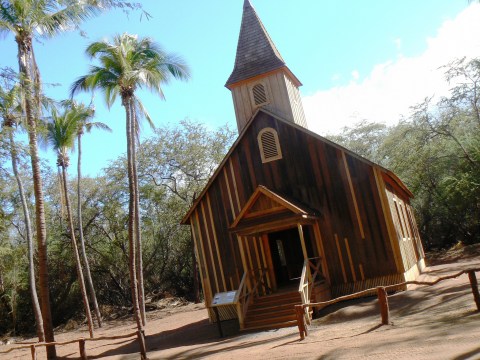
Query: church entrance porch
[286, 256]
[292, 275]
[281, 249]
[288, 249]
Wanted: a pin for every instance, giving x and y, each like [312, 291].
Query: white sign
[224, 298]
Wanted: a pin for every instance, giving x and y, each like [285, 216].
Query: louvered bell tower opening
[259, 95]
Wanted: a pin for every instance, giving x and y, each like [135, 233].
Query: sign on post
[222, 299]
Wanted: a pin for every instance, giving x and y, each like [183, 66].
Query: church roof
[256, 52]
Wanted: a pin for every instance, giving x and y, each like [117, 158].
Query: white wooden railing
[307, 282]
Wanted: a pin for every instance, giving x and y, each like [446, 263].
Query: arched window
[259, 94]
[269, 145]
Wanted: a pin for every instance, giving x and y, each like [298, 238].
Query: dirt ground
[439, 322]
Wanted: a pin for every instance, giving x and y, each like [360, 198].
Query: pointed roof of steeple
[256, 52]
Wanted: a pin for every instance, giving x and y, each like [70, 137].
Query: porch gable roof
[264, 204]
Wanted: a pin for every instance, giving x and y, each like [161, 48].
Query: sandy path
[439, 322]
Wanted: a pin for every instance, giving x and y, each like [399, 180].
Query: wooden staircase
[272, 311]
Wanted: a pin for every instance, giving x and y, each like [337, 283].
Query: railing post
[383, 302]
[474, 284]
[249, 281]
[83, 352]
[33, 350]
[306, 313]
[240, 316]
[300, 321]
[141, 343]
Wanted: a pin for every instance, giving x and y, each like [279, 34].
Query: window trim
[278, 149]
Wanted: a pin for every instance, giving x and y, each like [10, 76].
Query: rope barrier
[140, 334]
[383, 297]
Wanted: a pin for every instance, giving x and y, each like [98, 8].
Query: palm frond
[142, 113]
[97, 125]
[62, 131]
[126, 64]
[81, 84]
[53, 19]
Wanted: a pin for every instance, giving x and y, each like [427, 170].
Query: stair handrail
[307, 282]
[260, 279]
[241, 300]
[247, 290]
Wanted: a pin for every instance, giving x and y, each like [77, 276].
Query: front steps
[273, 311]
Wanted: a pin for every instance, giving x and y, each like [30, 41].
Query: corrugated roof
[256, 52]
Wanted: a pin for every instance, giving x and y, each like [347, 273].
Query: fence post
[33, 350]
[300, 321]
[83, 352]
[474, 284]
[383, 302]
[141, 342]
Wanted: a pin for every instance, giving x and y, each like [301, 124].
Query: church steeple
[260, 77]
[256, 52]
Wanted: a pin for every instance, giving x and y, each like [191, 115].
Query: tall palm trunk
[138, 233]
[28, 229]
[93, 296]
[78, 264]
[24, 61]
[128, 103]
[62, 196]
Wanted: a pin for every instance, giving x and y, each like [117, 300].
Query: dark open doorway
[287, 256]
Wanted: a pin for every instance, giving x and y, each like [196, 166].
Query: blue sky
[356, 59]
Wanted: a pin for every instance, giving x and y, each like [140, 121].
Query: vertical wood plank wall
[405, 226]
[296, 102]
[340, 187]
[284, 99]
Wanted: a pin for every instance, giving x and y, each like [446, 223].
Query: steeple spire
[260, 77]
[256, 52]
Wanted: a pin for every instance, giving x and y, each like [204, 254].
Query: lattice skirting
[226, 312]
[350, 288]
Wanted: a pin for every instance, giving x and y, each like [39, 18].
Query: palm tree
[11, 112]
[26, 20]
[61, 134]
[127, 64]
[85, 115]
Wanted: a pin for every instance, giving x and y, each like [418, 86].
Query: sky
[358, 60]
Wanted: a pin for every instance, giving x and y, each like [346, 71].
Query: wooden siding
[296, 103]
[283, 97]
[353, 287]
[347, 192]
[406, 229]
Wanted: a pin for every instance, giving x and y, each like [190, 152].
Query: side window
[269, 145]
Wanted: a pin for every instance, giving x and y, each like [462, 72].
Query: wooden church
[289, 216]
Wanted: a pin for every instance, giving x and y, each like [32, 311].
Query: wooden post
[83, 352]
[474, 284]
[300, 321]
[219, 324]
[383, 302]
[141, 343]
[33, 350]
[302, 241]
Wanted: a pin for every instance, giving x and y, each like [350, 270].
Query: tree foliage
[436, 153]
[166, 244]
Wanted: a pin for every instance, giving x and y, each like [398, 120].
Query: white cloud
[336, 77]
[398, 43]
[391, 88]
[355, 75]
